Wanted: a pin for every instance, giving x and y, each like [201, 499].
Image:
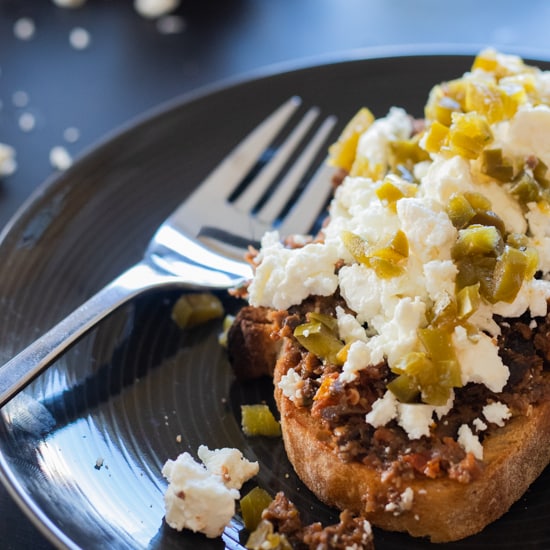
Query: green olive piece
[509, 274]
[477, 240]
[330, 322]
[252, 506]
[194, 309]
[257, 420]
[318, 339]
[469, 135]
[493, 165]
[405, 388]
[460, 211]
[468, 300]
[476, 269]
[526, 188]
[385, 260]
[446, 372]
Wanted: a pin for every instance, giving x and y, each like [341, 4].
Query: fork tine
[307, 209]
[280, 197]
[243, 158]
[257, 188]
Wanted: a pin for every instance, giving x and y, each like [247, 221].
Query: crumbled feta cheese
[415, 418]
[532, 296]
[445, 177]
[71, 134]
[505, 206]
[291, 385]
[403, 503]
[24, 28]
[470, 442]
[27, 122]
[20, 98]
[196, 499]
[479, 425]
[202, 497]
[155, 8]
[285, 276]
[440, 278]
[349, 329]
[8, 165]
[384, 409]
[527, 133]
[60, 158]
[356, 208]
[429, 230]
[479, 360]
[483, 320]
[359, 357]
[537, 218]
[79, 38]
[399, 334]
[171, 24]
[383, 314]
[230, 464]
[496, 413]
[374, 143]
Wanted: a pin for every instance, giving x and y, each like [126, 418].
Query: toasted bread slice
[442, 509]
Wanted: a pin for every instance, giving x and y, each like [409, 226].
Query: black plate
[82, 447]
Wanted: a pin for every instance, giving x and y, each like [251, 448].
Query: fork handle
[17, 373]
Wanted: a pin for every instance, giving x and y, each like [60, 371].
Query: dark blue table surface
[131, 65]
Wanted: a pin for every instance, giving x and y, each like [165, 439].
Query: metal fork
[202, 244]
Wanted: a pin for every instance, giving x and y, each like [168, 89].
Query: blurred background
[73, 72]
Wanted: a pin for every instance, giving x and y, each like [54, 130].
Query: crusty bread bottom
[443, 510]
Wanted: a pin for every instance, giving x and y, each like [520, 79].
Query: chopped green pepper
[194, 309]
[319, 339]
[252, 506]
[258, 420]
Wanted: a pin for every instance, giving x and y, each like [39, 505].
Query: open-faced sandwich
[409, 340]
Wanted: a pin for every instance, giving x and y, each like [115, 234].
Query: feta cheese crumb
[527, 133]
[199, 499]
[470, 442]
[229, 464]
[384, 409]
[359, 357]
[479, 425]
[285, 277]
[27, 122]
[71, 134]
[291, 385]
[374, 143]
[8, 165]
[496, 413]
[415, 418]
[155, 8]
[60, 158]
[171, 24]
[24, 28]
[403, 502]
[479, 360]
[349, 328]
[79, 38]
[20, 98]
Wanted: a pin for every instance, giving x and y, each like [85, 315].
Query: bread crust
[442, 509]
[251, 347]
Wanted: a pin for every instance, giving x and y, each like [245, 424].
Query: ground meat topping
[524, 348]
[282, 518]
